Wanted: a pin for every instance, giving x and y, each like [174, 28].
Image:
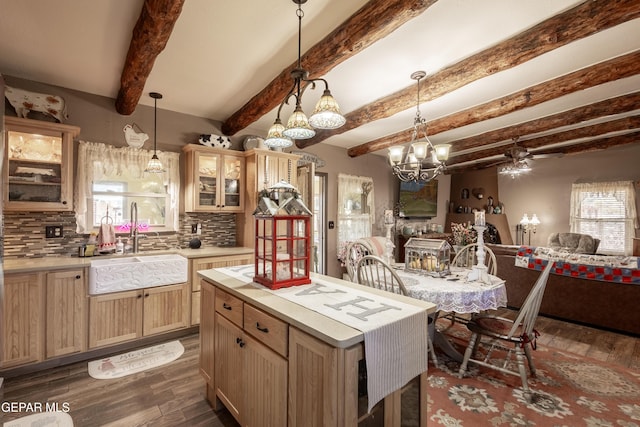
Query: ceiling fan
[517, 160]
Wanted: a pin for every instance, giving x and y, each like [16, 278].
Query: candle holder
[479, 271]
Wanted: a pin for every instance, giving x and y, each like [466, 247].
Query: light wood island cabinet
[272, 362]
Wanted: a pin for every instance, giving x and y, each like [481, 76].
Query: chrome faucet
[133, 233]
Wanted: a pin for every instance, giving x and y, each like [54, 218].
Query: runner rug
[135, 361]
[569, 390]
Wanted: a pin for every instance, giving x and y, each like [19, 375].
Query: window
[606, 211]
[109, 179]
[355, 208]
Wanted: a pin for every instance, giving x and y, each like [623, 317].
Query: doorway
[319, 264]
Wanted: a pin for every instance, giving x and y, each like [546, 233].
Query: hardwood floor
[173, 395]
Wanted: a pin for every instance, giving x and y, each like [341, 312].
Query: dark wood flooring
[173, 395]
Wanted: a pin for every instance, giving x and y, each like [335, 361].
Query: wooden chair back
[355, 251]
[374, 272]
[467, 257]
[529, 311]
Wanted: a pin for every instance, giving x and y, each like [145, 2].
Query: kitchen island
[271, 361]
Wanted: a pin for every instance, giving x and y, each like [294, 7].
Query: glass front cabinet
[214, 179]
[38, 171]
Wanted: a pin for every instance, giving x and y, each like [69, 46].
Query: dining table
[453, 293]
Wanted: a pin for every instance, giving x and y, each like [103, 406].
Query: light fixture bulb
[420, 150]
[524, 220]
[276, 137]
[154, 165]
[442, 152]
[395, 154]
[327, 113]
[298, 126]
[534, 220]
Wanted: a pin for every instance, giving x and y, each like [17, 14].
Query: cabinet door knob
[64, 202]
[240, 342]
[78, 276]
[226, 306]
[146, 295]
[262, 328]
[139, 296]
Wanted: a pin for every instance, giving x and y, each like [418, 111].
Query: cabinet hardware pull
[64, 202]
[226, 306]
[240, 342]
[146, 295]
[78, 276]
[139, 296]
[262, 328]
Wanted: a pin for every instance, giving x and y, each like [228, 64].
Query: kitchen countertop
[28, 265]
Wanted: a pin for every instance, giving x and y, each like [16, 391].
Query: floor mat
[135, 361]
[42, 419]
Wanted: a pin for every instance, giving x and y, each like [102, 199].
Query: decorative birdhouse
[427, 256]
[283, 243]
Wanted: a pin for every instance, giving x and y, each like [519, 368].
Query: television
[418, 199]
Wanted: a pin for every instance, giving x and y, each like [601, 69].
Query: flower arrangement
[462, 234]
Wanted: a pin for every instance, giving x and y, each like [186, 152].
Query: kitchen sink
[136, 272]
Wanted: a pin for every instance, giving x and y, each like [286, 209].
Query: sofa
[606, 305]
[573, 242]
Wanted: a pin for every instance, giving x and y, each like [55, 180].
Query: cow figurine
[24, 101]
[215, 141]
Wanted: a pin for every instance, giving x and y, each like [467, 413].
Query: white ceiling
[221, 53]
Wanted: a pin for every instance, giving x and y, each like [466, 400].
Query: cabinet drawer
[267, 329]
[229, 306]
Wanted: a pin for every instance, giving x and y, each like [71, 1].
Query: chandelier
[423, 161]
[514, 169]
[326, 115]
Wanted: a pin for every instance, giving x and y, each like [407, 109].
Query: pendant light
[155, 165]
[326, 115]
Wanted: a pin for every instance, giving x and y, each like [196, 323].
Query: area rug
[569, 390]
[135, 361]
[42, 419]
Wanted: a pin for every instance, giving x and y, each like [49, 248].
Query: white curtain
[607, 211]
[356, 204]
[96, 160]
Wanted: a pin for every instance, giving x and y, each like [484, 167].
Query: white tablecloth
[453, 293]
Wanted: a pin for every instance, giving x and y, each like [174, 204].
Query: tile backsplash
[24, 234]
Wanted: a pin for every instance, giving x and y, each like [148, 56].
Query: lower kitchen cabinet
[206, 263]
[66, 312]
[124, 316]
[23, 320]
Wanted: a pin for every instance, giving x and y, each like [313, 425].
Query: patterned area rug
[135, 361]
[569, 390]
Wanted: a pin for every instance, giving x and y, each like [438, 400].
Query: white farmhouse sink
[136, 272]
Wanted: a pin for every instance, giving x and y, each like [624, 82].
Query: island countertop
[315, 324]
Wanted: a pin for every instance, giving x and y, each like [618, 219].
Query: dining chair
[467, 257]
[355, 251]
[374, 272]
[502, 332]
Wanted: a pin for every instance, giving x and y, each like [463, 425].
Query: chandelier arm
[287, 97]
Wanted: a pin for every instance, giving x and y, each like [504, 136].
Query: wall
[546, 190]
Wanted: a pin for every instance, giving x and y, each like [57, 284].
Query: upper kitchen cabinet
[39, 157]
[214, 179]
[265, 168]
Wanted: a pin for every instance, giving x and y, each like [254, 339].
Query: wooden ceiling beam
[591, 131]
[581, 21]
[614, 69]
[374, 21]
[149, 38]
[609, 107]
